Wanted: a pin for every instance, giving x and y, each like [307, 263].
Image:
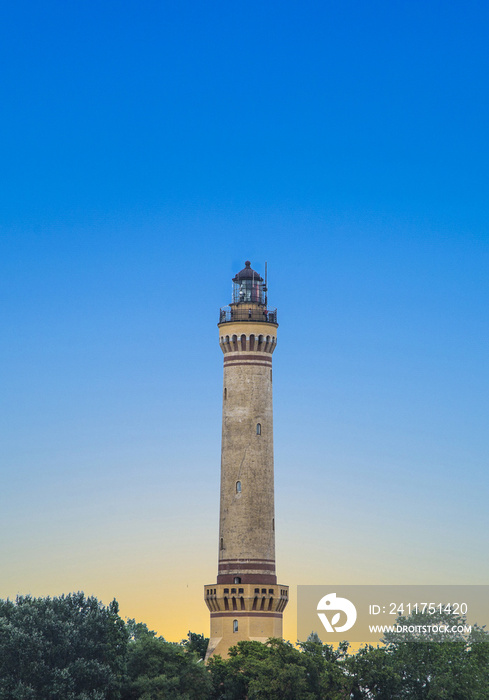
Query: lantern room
[248, 287]
[249, 302]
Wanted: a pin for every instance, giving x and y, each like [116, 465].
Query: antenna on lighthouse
[265, 288]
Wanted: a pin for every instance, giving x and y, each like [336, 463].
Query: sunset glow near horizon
[148, 151]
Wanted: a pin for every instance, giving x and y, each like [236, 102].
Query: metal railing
[245, 313]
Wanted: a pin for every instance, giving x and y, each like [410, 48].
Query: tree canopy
[157, 669]
[66, 648]
[75, 648]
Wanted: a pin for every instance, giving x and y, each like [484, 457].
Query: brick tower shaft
[246, 602]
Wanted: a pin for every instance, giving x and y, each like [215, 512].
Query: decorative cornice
[238, 343]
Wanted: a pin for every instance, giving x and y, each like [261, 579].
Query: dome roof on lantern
[247, 274]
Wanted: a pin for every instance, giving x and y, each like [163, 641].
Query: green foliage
[314, 637]
[325, 670]
[419, 667]
[374, 674]
[277, 671]
[158, 670]
[66, 648]
[478, 652]
[74, 648]
[196, 643]
[138, 630]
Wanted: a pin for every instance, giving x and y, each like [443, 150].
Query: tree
[278, 671]
[374, 674]
[157, 669]
[314, 637]
[65, 648]
[196, 643]
[422, 666]
[325, 668]
[433, 666]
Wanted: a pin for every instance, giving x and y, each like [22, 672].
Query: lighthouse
[246, 602]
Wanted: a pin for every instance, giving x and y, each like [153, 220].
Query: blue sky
[123, 107]
[147, 150]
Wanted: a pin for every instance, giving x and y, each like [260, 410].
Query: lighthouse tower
[246, 603]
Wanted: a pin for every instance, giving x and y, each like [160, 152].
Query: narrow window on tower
[238, 487]
[237, 579]
[225, 393]
[235, 625]
[273, 524]
[258, 428]
[222, 543]
[270, 375]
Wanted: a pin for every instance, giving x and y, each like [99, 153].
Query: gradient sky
[147, 150]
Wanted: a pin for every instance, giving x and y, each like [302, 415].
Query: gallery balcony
[248, 312]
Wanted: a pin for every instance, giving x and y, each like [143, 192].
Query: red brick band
[248, 578]
[236, 613]
[242, 566]
[246, 561]
[264, 356]
[248, 364]
[248, 358]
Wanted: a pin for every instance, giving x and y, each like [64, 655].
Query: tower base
[247, 612]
